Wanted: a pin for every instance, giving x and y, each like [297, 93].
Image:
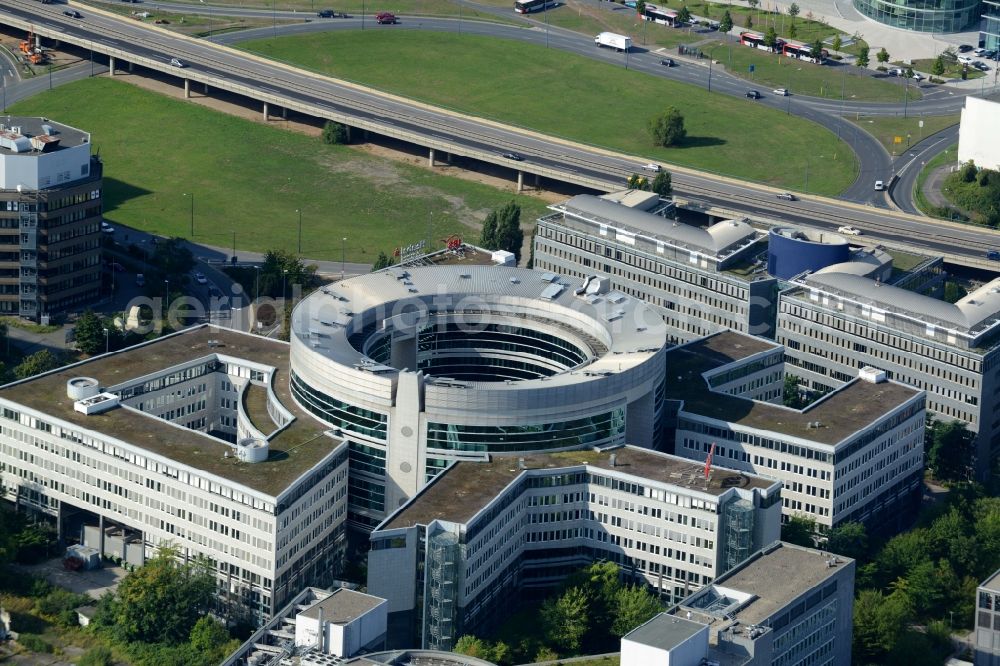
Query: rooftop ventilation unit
[80, 388]
[872, 375]
[96, 404]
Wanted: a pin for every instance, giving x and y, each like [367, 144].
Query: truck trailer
[614, 41]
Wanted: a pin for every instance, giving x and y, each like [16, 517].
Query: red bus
[756, 41]
[804, 52]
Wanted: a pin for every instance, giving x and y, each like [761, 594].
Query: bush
[59, 600]
[35, 643]
[334, 133]
[98, 656]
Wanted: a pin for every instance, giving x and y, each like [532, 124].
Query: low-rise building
[785, 606]
[457, 556]
[192, 440]
[987, 638]
[855, 454]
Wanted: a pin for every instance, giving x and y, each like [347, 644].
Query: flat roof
[840, 414]
[465, 488]
[775, 578]
[293, 451]
[665, 631]
[68, 137]
[343, 606]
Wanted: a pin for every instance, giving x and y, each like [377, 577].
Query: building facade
[785, 606]
[50, 218]
[987, 646]
[989, 35]
[190, 441]
[421, 367]
[459, 554]
[856, 454]
[946, 16]
[833, 324]
[977, 137]
[701, 281]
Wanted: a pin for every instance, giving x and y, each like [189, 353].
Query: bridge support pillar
[206, 88]
[520, 181]
[187, 88]
[447, 158]
[130, 66]
[538, 182]
[111, 66]
[266, 114]
[430, 158]
[284, 113]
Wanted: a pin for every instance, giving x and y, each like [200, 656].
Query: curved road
[267, 78]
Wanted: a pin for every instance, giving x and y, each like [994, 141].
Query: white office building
[978, 139]
[855, 454]
[192, 440]
[459, 555]
[419, 367]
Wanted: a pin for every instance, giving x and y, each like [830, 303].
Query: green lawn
[951, 70]
[945, 157]
[804, 78]
[588, 20]
[251, 178]
[578, 98]
[909, 130]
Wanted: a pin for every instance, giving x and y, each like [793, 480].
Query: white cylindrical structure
[252, 450]
[80, 388]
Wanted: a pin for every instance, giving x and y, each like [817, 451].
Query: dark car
[72, 13]
[993, 255]
[786, 196]
[753, 94]
[964, 48]
[512, 156]
[668, 62]
[327, 13]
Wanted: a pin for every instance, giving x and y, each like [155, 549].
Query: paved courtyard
[94, 583]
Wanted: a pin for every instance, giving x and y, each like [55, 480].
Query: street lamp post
[284, 284]
[106, 341]
[192, 211]
[299, 211]
[343, 256]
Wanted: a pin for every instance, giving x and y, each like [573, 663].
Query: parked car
[849, 231]
[965, 60]
[979, 51]
[786, 196]
[326, 13]
[177, 62]
[964, 48]
[879, 186]
[200, 278]
[107, 228]
[667, 62]
[781, 91]
[753, 94]
[993, 255]
[655, 168]
[917, 76]
[72, 13]
[981, 66]
[517, 157]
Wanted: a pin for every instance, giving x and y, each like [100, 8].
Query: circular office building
[923, 15]
[418, 367]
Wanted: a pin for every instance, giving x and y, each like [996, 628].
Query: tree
[334, 133]
[89, 333]
[949, 56]
[566, 619]
[471, 646]
[791, 393]
[862, 60]
[173, 260]
[879, 621]
[633, 606]
[792, 31]
[968, 172]
[908, 73]
[640, 8]
[36, 364]
[502, 230]
[638, 182]
[546, 654]
[726, 24]
[816, 51]
[667, 128]
[882, 56]
[793, 10]
[949, 447]
[770, 38]
[937, 69]
[160, 602]
[209, 637]
[281, 271]
[749, 23]
[799, 530]
[849, 540]
[97, 656]
[684, 14]
[837, 43]
[382, 261]
[753, 3]
[663, 183]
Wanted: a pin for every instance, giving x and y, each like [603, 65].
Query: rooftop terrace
[840, 414]
[460, 492]
[293, 451]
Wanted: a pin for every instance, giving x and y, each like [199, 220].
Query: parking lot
[94, 583]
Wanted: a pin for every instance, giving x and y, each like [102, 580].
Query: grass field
[887, 128]
[590, 20]
[946, 157]
[588, 101]
[251, 178]
[951, 70]
[804, 78]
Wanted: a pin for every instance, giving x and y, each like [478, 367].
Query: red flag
[708, 461]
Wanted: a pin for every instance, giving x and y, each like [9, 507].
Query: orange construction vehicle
[31, 48]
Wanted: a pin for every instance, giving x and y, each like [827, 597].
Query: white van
[879, 186]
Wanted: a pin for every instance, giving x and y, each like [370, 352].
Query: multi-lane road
[281, 85]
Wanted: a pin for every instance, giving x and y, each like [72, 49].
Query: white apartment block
[856, 454]
[832, 324]
[786, 606]
[459, 554]
[191, 440]
[701, 280]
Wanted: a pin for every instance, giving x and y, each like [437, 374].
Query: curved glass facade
[593, 430]
[923, 15]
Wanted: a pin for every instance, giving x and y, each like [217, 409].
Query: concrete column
[187, 88]
[430, 158]
[520, 181]
[266, 118]
[447, 158]
[100, 532]
[349, 131]
[284, 113]
[130, 66]
[538, 182]
[206, 88]
[366, 136]
[111, 66]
